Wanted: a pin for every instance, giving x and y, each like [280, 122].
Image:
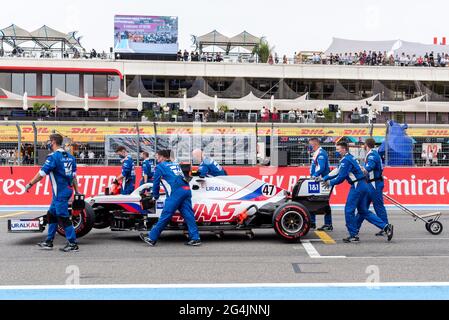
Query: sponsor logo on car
[221, 189]
[314, 188]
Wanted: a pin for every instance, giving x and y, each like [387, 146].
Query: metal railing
[93, 144]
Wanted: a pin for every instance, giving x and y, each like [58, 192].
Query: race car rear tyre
[83, 223]
[102, 219]
[291, 221]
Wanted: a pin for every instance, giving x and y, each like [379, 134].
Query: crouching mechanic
[179, 197]
[320, 168]
[128, 175]
[61, 167]
[349, 170]
[208, 166]
[373, 169]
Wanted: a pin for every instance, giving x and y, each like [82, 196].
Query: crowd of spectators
[373, 58]
[196, 56]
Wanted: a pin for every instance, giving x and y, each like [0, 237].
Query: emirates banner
[410, 186]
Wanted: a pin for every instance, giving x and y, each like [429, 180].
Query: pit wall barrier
[410, 186]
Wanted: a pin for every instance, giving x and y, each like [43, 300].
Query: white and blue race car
[221, 204]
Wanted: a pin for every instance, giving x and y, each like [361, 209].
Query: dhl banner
[410, 186]
[96, 133]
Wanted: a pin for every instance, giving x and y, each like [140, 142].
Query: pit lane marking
[13, 215]
[326, 238]
[313, 253]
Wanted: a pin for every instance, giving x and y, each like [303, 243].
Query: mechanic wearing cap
[320, 168]
[61, 167]
[128, 175]
[179, 197]
[373, 169]
[349, 170]
[208, 166]
[147, 168]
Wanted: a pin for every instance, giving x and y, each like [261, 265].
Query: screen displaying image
[146, 34]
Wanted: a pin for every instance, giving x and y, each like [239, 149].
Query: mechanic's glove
[115, 182]
[28, 187]
[326, 184]
[317, 179]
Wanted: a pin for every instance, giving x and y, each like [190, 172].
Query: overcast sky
[289, 25]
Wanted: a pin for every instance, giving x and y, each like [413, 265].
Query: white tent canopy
[390, 46]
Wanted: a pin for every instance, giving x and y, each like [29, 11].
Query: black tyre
[102, 219]
[435, 227]
[82, 222]
[291, 221]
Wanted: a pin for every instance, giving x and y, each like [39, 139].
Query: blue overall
[373, 164]
[180, 198]
[210, 167]
[129, 176]
[320, 168]
[60, 166]
[147, 170]
[350, 171]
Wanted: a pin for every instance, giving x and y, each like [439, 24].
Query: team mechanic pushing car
[128, 175]
[349, 170]
[179, 197]
[374, 170]
[61, 167]
[320, 168]
[147, 168]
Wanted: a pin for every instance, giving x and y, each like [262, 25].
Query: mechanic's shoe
[313, 226]
[70, 247]
[147, 240]
[326, 227]
[380, 234]
[46, 245]
[351, 240]
[193, 243]
[389, 231]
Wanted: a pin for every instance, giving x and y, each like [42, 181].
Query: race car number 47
[268, 190]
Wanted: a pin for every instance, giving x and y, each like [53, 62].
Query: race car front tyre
[291, 221]
[83, 222]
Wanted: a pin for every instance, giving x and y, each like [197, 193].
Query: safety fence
[247, 144]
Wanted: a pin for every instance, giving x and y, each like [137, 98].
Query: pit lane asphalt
[122, 258]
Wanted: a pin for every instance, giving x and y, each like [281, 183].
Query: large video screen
[146, 34]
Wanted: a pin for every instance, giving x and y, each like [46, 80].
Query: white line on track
[314, 254]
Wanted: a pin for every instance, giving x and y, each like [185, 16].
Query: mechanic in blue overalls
[60, 166]
[208, 166]
[373, 169]
[147, 168]
[349, 170]
[320, 168]
[179, 197]
[128, 175]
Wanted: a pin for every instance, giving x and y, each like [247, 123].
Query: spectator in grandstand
[270, 59]
[91, 157]
[179, 55]
[186, 55]
[284, 59]
[275, 115]
[265, 114]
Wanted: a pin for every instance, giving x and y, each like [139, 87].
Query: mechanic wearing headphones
[179, 197]
[349, 170]
[128, 175]
[61, 167]
[373, 169]
[147, 168]
[208, 166]
[320, 168]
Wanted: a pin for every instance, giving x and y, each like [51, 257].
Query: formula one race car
[230, 203]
